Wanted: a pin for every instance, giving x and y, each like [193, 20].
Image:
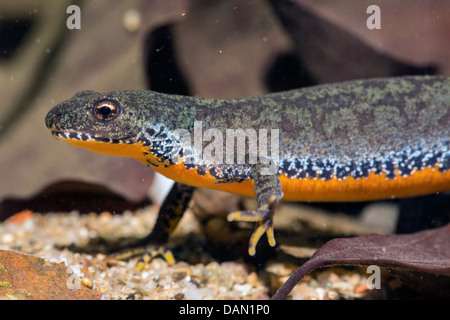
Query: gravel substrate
[76, 240]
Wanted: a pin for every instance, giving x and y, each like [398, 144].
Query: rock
[31, 278]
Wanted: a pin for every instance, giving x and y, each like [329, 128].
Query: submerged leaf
[426, 251]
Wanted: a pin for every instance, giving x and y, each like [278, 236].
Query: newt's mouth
[81, 136]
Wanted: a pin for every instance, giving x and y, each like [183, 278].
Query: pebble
[87, 282]
[132, 20]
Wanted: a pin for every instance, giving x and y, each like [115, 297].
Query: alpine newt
[353, 141]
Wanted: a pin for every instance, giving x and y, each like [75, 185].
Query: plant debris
[426, 251]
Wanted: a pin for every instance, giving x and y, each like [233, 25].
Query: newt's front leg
[170, 213]
[268, 193]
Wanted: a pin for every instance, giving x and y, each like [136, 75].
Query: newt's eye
[106, 110]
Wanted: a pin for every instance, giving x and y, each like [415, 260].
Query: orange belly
[373, 187]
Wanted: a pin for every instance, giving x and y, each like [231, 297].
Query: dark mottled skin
[367, 125]
[342, 120]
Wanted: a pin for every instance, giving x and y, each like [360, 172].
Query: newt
[358, 140]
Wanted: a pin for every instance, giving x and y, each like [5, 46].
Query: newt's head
[111, 123]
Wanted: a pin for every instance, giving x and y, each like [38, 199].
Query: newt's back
[357, 140]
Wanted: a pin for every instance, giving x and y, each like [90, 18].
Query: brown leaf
[26, 277]
[69, 195]
[426, 251]
[330, 53]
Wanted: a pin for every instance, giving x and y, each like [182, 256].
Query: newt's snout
[52, 118]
